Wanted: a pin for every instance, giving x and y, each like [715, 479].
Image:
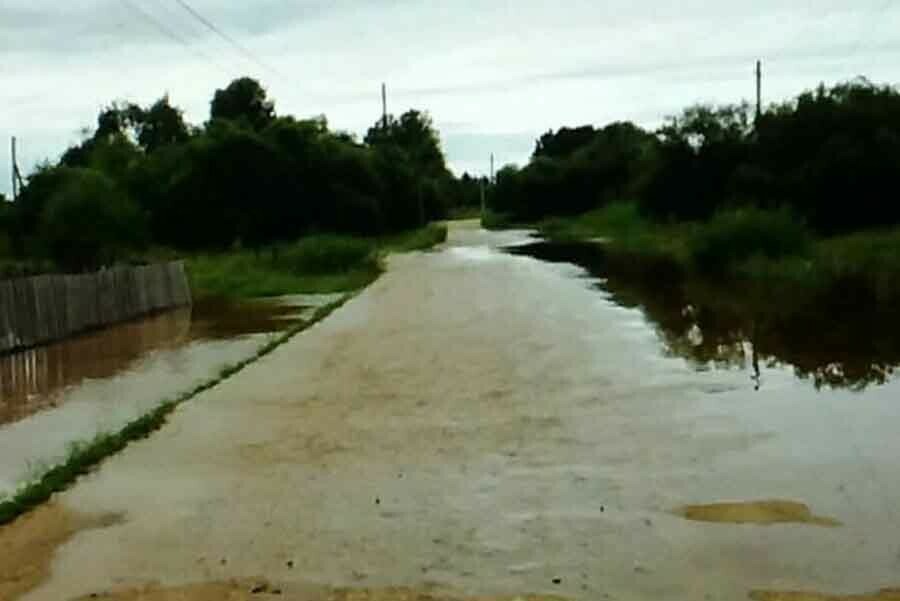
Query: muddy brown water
[484, 425]
[53, 395]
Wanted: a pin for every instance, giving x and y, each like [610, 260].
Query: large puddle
[838, 338]
[54, 395]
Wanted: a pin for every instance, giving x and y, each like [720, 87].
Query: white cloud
[493, 75]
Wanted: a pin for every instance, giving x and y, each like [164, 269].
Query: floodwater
[54, 395]
[486, 425]
[836, 338]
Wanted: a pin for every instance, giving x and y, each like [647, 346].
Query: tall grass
[621, 226]
[734, 237]
[420, 239]
[765, 246]
[314, 264]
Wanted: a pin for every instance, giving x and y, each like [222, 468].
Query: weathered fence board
[44, 308]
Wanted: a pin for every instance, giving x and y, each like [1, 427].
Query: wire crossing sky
[493, 75]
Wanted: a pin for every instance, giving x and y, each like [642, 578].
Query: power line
[168, 32]
[212, 27]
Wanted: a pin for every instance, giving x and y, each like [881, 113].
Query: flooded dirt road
[483, 425]
[69, 391]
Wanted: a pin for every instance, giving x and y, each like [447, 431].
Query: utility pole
[492, 167]
[384, 113]
[758, 89]
[15, 170]
[481, 181]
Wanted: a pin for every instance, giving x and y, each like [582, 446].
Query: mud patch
[27, 545]
[255, 591]
[755, 512]
[889, 594]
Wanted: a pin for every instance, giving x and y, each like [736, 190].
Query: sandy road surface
[474, 424]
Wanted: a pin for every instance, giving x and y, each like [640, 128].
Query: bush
[88, 222]
[325, 254]
[735, 236]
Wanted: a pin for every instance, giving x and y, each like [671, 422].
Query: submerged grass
[83, 457]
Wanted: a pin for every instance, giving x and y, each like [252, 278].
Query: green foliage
[564, 143]
[413, 133]
[695, 160]
[249, 179]
[6, 225]
[246, 274]
[88, 221]
[161, 125]
[733, 237]
[573, 171]
[830, 156]
[244, 100]
[312, 264]
[419, 239]
[321, 254]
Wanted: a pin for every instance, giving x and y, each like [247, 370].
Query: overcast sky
[493, 75]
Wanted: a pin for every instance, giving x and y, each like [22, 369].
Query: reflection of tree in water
[840, 337]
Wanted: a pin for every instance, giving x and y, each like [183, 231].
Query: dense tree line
[831, 156]
[248, 176]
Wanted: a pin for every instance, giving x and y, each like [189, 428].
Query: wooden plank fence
[45, 308]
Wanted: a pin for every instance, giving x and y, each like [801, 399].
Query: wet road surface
[69, 391]
[479, 424]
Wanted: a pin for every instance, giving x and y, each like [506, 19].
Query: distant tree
[563, 143]
[414, 133]
[160, 125]
[89, 222]
[243, 100]
[698, 156]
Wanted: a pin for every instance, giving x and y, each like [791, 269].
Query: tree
[160, 125]
[413, 168]
[243, 100]
[414, 133]
[563, 143]
[89, 222]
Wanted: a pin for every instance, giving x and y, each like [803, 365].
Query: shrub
[325, 254]
[88, 221]
[735, 236]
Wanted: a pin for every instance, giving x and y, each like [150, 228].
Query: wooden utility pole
[384, 113]
[481, 181]
[758, 89]
[492, 167]
[15, 170]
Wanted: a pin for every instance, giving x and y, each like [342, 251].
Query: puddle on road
[27, 545]
[835, 338]
[890, 594]
[35, 380]
[755, 512]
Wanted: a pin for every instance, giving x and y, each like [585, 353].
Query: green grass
[83, 457]
[732, 238]
[420, 239]
[623, 228]
[755, 245]
[317, 264]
